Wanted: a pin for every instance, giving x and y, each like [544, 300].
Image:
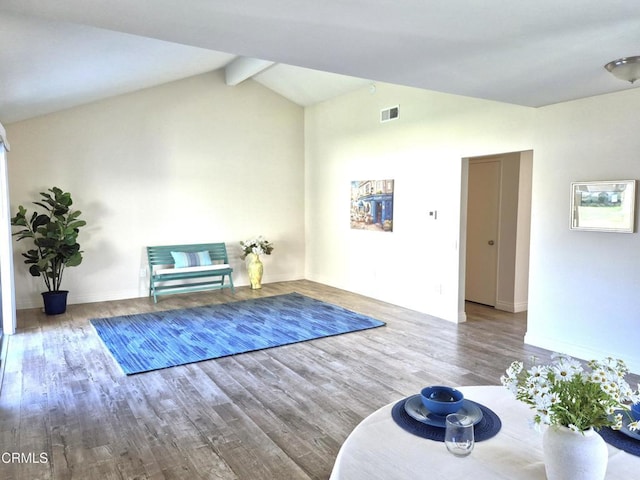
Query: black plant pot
[55, 303]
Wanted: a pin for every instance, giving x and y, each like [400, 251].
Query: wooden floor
[68, 411]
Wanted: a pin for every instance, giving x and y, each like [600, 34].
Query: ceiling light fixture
[626, 68]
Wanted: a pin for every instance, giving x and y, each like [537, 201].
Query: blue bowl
[635, 411]
[441, 400]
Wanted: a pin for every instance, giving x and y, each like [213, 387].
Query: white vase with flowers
[574, 402]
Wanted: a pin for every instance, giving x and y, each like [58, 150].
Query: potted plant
[54, 232]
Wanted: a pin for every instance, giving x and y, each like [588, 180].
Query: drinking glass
[458, 435]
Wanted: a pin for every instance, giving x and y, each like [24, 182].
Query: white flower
[559, 392]
[564, 371]
[538, 391]
[537, 371]
[599, 376]
[565, 368]
[554, 399]
[542, 402]
[543, 416]
[510, 383]
[258, 246]
[617, 425]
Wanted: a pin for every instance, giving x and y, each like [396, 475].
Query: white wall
[187, 162]
[584, 286]
[417, 264]
[523, 233]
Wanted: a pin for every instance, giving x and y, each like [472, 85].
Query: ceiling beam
[242, 68]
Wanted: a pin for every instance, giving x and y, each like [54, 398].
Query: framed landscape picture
[605, 206]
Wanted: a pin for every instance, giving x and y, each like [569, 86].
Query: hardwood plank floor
[281, 413]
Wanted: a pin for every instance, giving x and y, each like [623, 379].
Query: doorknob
[490, 242]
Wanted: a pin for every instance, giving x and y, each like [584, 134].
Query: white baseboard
[578, 351]
[512, 307]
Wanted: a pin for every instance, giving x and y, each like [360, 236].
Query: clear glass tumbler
[458, 436]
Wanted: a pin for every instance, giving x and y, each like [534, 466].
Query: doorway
[495, 231]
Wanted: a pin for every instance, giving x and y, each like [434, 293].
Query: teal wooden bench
[177, 268]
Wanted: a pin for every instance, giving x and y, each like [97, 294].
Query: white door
[482, 231]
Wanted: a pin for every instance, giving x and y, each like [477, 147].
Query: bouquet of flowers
[258, 245]
[564, 393]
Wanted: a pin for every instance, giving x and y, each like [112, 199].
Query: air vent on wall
[388, 114]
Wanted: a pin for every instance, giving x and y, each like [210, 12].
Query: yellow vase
[255, 270]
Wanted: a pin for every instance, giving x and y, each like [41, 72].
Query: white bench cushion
[201, 268]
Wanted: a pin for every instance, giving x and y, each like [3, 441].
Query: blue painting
[372, 205]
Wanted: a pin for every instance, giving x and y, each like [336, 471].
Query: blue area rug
[151, 341]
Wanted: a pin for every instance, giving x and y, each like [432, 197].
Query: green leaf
[39, 220]
[20, 219]
[34, 271]
[77, 224]
[74, 260]
[73, 215]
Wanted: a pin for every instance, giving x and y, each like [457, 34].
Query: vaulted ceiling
[63, 53]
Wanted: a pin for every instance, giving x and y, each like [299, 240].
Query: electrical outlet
[143, 272]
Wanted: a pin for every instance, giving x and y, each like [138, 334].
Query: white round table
[379, 449]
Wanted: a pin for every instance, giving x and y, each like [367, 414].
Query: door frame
[526, 167]
[7, 284]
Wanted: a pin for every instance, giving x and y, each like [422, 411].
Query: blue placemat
[486, 428]
[620, 440]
